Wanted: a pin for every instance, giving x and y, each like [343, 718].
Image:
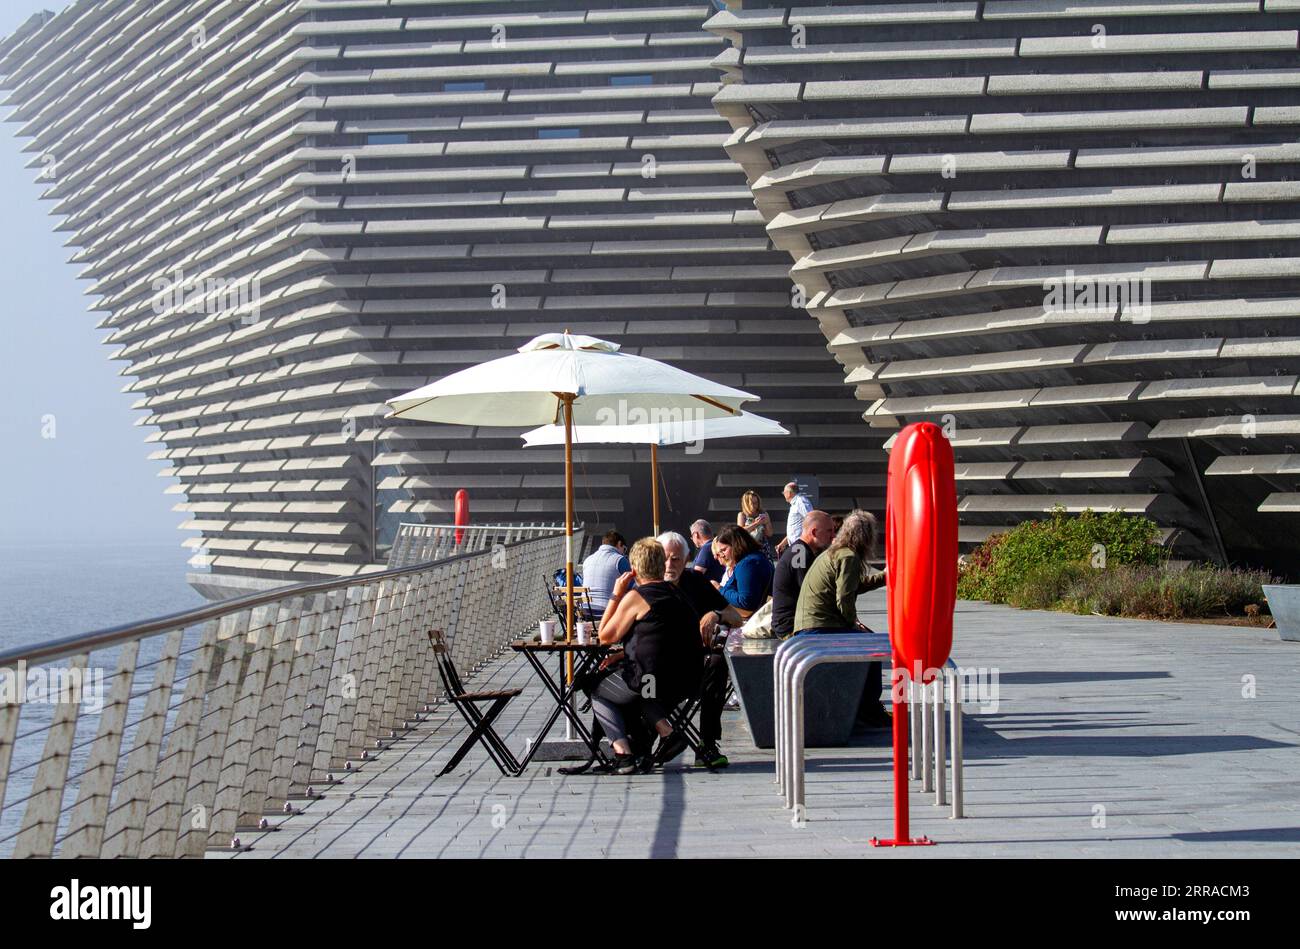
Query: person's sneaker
[710, 757]
[732, 703]
[670, 747]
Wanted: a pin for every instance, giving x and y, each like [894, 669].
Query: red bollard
[921, 554]
[462, 514]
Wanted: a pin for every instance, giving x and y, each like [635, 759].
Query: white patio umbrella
[568, 379]
[672, 431]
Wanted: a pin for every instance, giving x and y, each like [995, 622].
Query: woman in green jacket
[838, 576]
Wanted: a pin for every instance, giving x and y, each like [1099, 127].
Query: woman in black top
[660, 633]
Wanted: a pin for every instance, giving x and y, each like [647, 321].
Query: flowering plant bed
[1111, 565]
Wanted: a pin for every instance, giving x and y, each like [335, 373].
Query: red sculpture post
[462, 514]
[921, 554]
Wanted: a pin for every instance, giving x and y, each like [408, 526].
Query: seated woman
[750, 582]
[664, 656]
[828, 599]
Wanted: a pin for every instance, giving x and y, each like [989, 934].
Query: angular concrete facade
[1066, 229]
[377, 194]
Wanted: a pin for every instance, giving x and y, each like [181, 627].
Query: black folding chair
[586, 611]
[583, 610]
[683, 717]
[557, 604]
[479, 721]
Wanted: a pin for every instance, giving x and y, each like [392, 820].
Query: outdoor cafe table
[586, 656]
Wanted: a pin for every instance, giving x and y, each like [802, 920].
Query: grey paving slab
[1107, 738]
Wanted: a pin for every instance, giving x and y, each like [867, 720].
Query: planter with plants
[1110, 564]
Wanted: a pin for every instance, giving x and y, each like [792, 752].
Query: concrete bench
[832, 694]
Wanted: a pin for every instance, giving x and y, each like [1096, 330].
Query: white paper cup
[547, 630]
[584, 633]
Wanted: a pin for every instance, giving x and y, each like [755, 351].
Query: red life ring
[921, 548]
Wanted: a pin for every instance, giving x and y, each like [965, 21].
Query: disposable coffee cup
[547, 629]
[584, 633]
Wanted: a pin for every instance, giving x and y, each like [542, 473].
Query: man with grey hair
[703, 595]
[800, 507]
[676, 549]
[709, 607]
[705, 561]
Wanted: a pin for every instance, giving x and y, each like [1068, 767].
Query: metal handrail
[116, 635]
[419, 542]
[553, 528]
[923, 702]
[284, 690]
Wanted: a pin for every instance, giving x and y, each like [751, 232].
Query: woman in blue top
[751, 571]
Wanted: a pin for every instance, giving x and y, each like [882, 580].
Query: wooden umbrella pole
[654, 483]
[568, 521]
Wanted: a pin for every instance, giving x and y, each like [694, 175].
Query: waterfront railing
[174, 736]
[422, 543]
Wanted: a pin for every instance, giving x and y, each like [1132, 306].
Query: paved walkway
[1110, 738]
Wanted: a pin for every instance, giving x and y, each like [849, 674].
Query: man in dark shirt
[793, 567]
[705, 563]
[709, 606]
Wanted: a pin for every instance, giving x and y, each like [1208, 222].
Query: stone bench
[831, 698]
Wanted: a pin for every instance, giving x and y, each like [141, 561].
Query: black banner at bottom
[329, 899]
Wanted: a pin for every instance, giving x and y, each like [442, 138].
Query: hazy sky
[92, 482]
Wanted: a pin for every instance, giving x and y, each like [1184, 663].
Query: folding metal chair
[683, 717]
[583, 610]
[479, 721]
[586, 611]
[556, 603]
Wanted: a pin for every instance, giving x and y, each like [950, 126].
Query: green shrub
[1211, 591]
[1117, 591]
[1044, 586]
[1102, 563]
[1002, 564]
[974, 579]
[1197, 592]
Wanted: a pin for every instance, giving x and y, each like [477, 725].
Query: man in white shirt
[800, 507]
[602, 568]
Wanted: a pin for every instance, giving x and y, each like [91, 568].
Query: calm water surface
[50, 592]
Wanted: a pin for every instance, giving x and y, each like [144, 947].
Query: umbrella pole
[654, 484]
[568, 549]
[568, 517]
